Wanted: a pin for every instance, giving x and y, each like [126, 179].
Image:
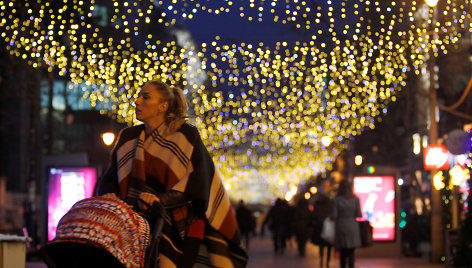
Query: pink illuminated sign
[377, 197]
[66, 187]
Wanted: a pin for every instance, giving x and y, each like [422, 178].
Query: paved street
[262, 256]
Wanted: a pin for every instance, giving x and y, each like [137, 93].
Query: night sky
[235, 29]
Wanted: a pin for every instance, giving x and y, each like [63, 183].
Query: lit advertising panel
[377, 198]
[66, 187]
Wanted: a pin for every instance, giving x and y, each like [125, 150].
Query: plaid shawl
[179, 162]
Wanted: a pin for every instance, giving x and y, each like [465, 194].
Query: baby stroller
[104, 232]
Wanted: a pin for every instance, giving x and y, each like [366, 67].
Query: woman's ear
[164, 107]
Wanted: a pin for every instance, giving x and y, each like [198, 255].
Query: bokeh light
[262, 108]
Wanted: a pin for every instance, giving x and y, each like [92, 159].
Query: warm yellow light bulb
[358, 160]
[108, 138]
[438, 181]
[326, 141]
[431, 3]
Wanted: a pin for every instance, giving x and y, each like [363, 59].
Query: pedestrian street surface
[261, 255]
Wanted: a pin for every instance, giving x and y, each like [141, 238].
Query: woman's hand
[110, 195]
[149, 199]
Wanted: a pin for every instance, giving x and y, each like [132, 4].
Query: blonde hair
[176, 113]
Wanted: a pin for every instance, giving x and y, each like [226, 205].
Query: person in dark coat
[277, 219]
[290, 210]
[346, 208]
[322, 209]
[301, 225]
[245, 221]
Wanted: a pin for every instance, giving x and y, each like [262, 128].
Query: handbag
[366, 233]
[328, 231]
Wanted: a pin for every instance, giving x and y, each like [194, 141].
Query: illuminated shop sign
[66, 187]
[377, 198]
[435, 157]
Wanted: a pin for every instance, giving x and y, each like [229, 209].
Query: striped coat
[160, 163]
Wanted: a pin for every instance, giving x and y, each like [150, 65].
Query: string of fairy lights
[265, 106]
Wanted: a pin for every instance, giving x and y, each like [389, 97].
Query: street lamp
[358, 160]
[307, 195]
[431, 3]
[313, 189]
[108, 138]
[326, 141]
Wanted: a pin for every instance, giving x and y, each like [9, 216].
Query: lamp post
[437, 237]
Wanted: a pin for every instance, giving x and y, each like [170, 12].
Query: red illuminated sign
[435, 157]
[377, 197]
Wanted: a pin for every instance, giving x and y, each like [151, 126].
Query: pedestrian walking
[346, 208]
[322, 210]
[162, 165]
[287, 222]
[246, 222]
[301, 225]
[277, 220]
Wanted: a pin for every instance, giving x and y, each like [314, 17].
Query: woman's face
[150, 106]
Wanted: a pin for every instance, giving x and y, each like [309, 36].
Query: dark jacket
[301, 220]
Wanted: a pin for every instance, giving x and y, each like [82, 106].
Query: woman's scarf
[181, 162]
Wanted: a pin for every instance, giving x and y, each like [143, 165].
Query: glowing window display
[66, 187]
[377, 197]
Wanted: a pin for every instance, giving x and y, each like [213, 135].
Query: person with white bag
[322, 210]
[346, 208]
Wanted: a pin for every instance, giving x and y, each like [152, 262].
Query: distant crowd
[306, 222]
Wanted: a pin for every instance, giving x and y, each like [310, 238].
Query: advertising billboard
[377, 198]
[67, 185]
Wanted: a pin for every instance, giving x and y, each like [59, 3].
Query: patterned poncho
[180, 162]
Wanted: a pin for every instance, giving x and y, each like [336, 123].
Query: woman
[346, 208]
[164, 161]
[322, 209]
